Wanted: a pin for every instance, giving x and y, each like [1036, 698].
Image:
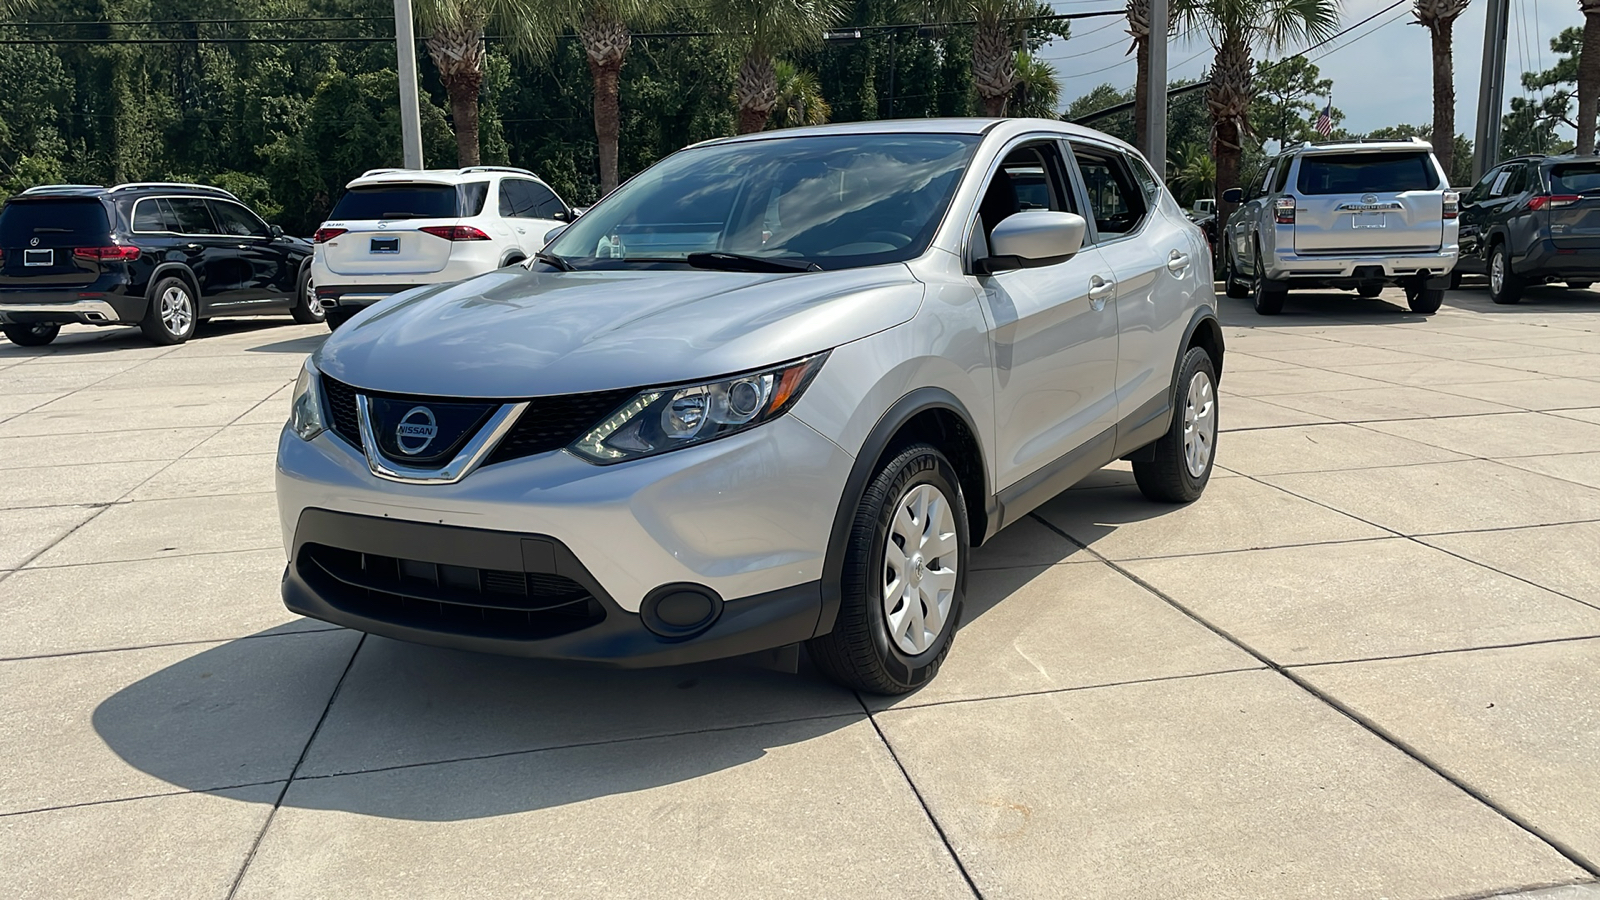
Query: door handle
[1177, 261]
[1100, 290]
[191, 246]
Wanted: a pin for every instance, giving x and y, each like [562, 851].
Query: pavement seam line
[1362, 722]
[1045, 692]
[921, 801]
[289, 782]
[1445, 652]
[157, 646]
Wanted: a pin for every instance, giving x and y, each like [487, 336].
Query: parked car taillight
[103, 254]
[455, 232]
[1283, 210]
[1452, 204]
[1553, 201]
[325, 235]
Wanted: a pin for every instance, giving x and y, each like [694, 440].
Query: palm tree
[1194, 172]
[1234, 27]
[606, 29]
[994, 40]
[799, 97]
[1037, 91]
[1138, 13]
[1588, 76]
[1439, 17]
[768, 29]
[454, 30]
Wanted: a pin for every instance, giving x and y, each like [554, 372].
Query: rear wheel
[1180, 465]
[1425, 300]
[36, 335]
[1231, 284]
[307, 308]
[336, 317]
[901, 586]
[1267, 294]
[172, 316]
[1504, 286]
[1579, 285]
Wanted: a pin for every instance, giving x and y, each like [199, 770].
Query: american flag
[1324, 124]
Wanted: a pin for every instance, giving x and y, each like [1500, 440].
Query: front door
[1053, 329]
[266, 271]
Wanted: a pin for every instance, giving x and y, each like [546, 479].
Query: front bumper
[747, 517]
[1287, 265]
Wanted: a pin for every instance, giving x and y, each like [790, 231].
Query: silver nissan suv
[1355, 215]
[771, 391]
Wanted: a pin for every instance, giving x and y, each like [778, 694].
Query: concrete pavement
[1363, 665]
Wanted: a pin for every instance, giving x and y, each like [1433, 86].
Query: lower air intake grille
[458, 599]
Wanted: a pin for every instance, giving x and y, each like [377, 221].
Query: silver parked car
[1350, 214]
[772, 390]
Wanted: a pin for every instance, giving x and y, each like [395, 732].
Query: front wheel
[903, 578]
[1180, 465]
[36, 335]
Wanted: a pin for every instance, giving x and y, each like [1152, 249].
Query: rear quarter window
[54, 222]
[1363, 173]
[1575, 178]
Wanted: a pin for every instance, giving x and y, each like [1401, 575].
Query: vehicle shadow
[1545, 298]
[299, 345]
[430, 734]
[1320, 309]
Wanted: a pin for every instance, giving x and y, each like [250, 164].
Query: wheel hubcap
[313, 303]
[176, 311]
[919, 570]
[1199, 424]
[1497, 275]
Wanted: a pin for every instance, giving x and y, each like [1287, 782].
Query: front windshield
[835, 201]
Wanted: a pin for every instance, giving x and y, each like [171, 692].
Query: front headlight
[667, 418]
[305, 407]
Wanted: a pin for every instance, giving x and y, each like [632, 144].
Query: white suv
[396, 229]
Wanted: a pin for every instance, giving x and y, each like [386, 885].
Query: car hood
[518, 333]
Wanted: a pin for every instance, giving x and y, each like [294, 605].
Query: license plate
[38, 257]
[1370, 220]
[385, 245]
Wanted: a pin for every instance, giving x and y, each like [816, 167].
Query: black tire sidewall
[156, 327]
[918, 464]
[1510, 289]
[1268, 300]
[30, 336]
[302, 311]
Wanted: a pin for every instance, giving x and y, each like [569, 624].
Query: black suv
[1533, 220]
[161, 256]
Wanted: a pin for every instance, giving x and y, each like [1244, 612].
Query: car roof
[130, 189]
[1363, 145]
[1003, 128]
[435, 176]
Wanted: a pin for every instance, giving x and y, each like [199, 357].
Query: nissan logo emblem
[416, 430]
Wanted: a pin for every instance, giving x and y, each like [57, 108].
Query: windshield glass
[1362, 173]
[1575, 178]
[837, 201]
[409, 201]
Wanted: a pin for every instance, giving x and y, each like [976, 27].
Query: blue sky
[1382, 72]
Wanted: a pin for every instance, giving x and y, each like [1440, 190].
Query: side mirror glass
[1233, 195]
[553, 233]
[561, 216]
[1034, 238]
[275, 231]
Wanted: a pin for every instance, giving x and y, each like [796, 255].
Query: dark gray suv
[1533, 220]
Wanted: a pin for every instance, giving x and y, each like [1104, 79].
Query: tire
[1505, 287]
[860, 652]
[1369, 291]
[1190, 444]
[1230, 279]
[1425, 300]
[1267, 294]
[173, 312]
[37, 335]
[1579, 285]
[307, 308]
[1455, 281]
[336, 317]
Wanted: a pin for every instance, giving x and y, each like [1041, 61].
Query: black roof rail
[173, 185]
[62, 189]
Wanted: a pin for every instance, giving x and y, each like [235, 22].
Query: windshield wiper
[738, 262]
[553, 260]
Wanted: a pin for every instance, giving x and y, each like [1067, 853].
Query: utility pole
[1491, 90]
[405, 41]
[1156, 104]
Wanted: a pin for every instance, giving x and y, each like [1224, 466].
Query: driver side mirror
[1031, 239]
[1233, 195]
[275, 231]
[561, 216]
[554, 233]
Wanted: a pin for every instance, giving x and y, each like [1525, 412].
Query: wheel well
[947, 431]
[1208, 336]
[183, 273]
[512, 259]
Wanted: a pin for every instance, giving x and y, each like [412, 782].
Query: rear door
[1573, 212]
[212, 256]
[38, 237]
[1368, 201]
[383, 227]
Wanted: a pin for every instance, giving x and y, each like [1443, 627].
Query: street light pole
[405, 40]
[1156, 103]
[1491, 90]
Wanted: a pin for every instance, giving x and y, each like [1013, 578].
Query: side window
[236, 220]
[1145, 177]
[472, 195]
[1518, 182]
[191, 215]
[150, 216]
[1502, 182]
[1117, 204]
[544, 202]
[1032, 176]
[1480, 191]
[508, 199]
[1282, 179]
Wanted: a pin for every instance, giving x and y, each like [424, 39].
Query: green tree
[799, 97]
[995, 34]
[1037, 93]
[1287, 98]
[766, 30]
[455, 30]
[1460, 151]
[1439, 17]
[1235, 29]
[1192, 173]
[1104, 96]
[605, 27]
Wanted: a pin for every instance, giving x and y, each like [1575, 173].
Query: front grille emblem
[416, 430]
